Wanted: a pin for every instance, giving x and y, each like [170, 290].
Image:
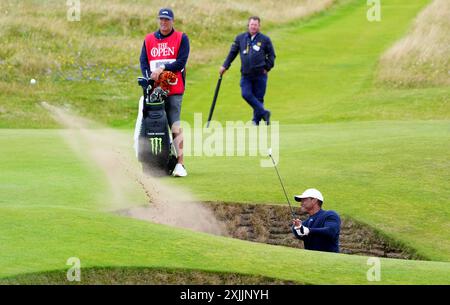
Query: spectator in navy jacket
[257, 59]
[321, 230]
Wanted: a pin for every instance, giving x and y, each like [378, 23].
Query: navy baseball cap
[165, 13]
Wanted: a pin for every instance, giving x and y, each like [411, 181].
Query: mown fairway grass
[378, 154]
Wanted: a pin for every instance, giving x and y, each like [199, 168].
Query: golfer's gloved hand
[302, 230]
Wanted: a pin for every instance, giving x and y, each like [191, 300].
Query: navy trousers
[253, 89]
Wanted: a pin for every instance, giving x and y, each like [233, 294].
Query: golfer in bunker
[321, 230]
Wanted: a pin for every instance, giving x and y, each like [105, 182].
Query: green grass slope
[40, 234]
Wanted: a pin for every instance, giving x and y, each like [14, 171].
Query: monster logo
[156, 144]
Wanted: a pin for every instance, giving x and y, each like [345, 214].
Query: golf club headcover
[166, 80]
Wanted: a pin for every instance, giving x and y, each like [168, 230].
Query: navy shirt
[257, 54]
[324, 228]
[178, 65]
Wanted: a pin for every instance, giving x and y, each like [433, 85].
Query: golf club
[216, 93]
[282, 185]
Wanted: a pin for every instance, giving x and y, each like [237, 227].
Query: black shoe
[266, 117]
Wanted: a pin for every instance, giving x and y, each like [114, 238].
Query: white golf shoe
[179, 171]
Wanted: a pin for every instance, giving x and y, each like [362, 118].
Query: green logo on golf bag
[156, 144]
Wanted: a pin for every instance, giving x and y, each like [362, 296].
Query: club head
[270, 152]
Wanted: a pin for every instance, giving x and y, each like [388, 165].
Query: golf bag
[155, 150]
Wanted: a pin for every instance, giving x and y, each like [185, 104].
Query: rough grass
[38, 40]
[421, 58]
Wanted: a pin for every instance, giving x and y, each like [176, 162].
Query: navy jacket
[178, 65]
[257, 55]
[324, 229]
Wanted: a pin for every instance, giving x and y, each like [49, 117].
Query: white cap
[309, 193]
